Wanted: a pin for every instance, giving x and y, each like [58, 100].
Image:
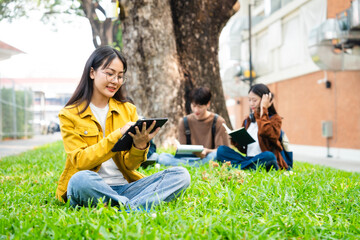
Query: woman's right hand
[266, 101]
[126, 127]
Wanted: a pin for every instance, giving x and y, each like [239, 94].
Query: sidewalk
[343, 164]
[14, 147]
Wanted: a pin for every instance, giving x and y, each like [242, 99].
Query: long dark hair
[261, 89]
[102, 56]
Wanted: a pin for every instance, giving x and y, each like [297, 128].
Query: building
[49, 96]
[308, 53]
[6, 51]
[6, 116]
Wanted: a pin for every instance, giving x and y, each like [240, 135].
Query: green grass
[312, 203]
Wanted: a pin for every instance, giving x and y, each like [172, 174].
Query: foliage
[14, 9]
[118, 36]
[313, 202]
[11, 9]
[52, 8]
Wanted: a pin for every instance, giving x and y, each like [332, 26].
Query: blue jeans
[87, 187]
[266, 159]
[171, 160]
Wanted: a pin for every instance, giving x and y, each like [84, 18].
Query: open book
[183, 149]
[240, 136]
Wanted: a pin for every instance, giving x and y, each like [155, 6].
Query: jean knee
[183, 174]
[81, 180]
[220, 152]
[269, 156]
[165, 155]
[165, 158]
[81, 176]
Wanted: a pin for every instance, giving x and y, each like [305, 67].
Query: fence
[16, 111]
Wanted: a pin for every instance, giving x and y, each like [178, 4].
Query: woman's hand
[266, 102]
[126, 127]
[141, 139]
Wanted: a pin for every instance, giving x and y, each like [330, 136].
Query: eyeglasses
[110, 77]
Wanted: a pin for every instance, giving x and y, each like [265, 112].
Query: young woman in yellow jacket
[95, 117]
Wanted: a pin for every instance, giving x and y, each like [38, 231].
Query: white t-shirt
[253, 149]
[108, 170]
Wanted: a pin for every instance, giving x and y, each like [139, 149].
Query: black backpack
[188, 133]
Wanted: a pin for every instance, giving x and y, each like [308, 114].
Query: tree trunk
[197, 26]
[172, 47]
[155, 77]
[101, 30]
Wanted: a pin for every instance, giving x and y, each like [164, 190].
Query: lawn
[312, 202]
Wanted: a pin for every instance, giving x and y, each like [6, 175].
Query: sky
[58, 51]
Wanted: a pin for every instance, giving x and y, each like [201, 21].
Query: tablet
[126, 141]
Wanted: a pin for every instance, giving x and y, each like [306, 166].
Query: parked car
[53, 127]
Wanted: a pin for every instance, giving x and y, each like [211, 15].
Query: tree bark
[101, 30]
[155, 76]
[197, 26]
[172, 47]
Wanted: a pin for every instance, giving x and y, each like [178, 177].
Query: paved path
[343, 164]
[14, 147]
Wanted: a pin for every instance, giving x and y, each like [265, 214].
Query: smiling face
[107, 81]
[254, 102]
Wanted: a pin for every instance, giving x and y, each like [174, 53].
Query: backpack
[285, 152]
[188, 133]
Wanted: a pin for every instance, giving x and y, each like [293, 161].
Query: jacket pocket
[90, 135]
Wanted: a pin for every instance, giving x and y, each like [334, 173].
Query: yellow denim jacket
[86, 149]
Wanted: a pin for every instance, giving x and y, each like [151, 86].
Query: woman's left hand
[141, 139]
